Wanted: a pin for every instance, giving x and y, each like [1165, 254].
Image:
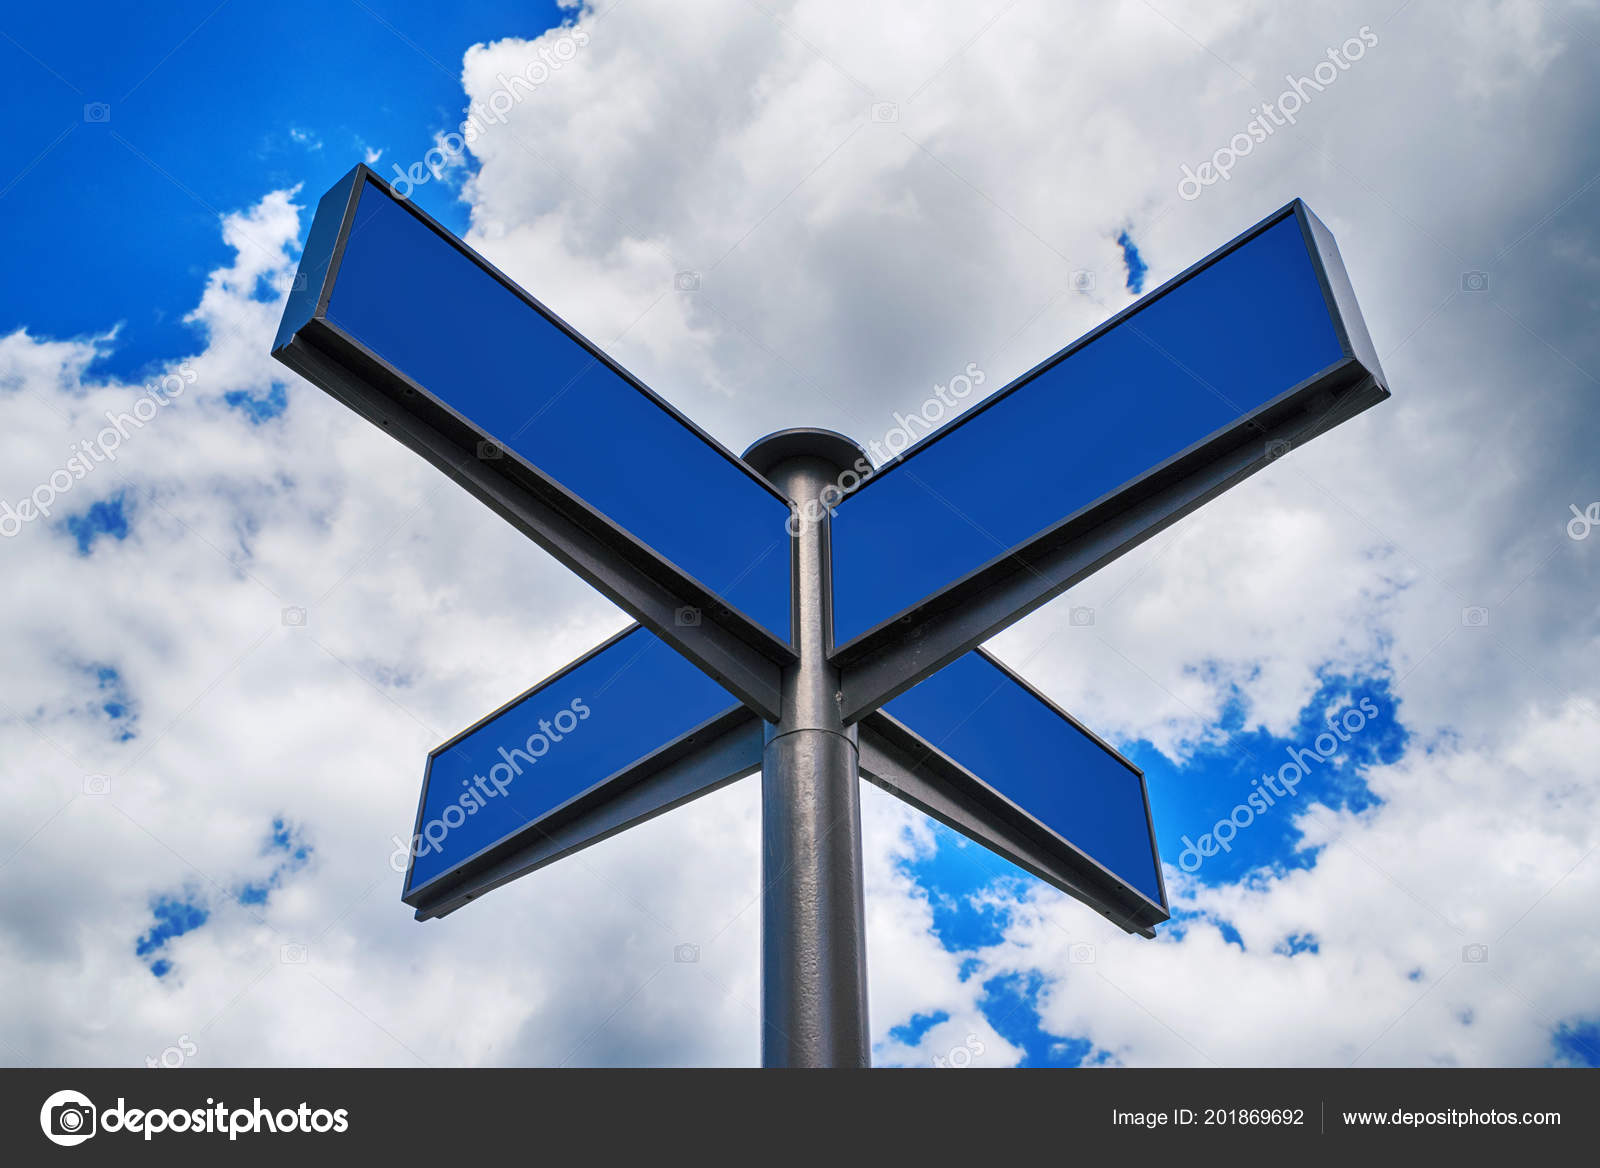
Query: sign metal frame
[719, 750]
[908, 646]
[805, 711]
[904, 763]
[729, 645]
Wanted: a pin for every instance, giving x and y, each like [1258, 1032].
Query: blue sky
[198, 120]
[235, 643]
[969, 890]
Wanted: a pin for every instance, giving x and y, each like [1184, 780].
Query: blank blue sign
[537, 758]
[1036, 758]
[1185, 364]
[422, 302]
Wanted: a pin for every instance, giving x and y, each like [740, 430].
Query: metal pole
[813, 917]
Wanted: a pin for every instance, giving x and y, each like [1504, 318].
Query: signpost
[812, 632]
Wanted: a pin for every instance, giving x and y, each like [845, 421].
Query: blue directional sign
[994, 739]
[557, 763]
[396, 316]
[1256, 348]
[813, 642]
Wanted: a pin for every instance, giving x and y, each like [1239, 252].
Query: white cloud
[1470, 848]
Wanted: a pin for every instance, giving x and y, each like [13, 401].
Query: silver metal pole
[813, 916]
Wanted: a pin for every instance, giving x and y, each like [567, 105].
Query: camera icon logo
[885, 111]
[1081, 954]
[686, 954]
[293, 954]
[961, 1056]
[489, 451]
[294, 617]
[1081, 617]
[1476, 954]
[686, 281]
[1083, 280]
[97, 111]
[67, 1118]
[1474, 281]
[1475, 616]
[97, 784]
[687, 617]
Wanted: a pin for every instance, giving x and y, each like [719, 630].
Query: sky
[230, 647]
